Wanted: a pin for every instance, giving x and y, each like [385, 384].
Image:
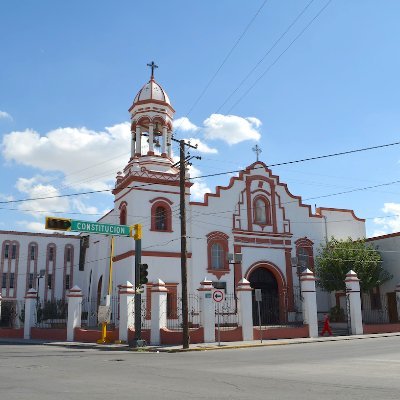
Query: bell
[157, 143]
[157, 130]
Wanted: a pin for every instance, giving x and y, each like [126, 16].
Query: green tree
[337, 257]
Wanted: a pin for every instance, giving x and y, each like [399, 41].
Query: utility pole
[183, 160]
[185, 308]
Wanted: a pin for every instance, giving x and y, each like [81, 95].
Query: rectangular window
[33, 252]
[30, 281]
[67, 282]
[68, 254]
[6, 250]
[49, 280]
[51, 254]
[4, 281]
[11, 280]
[219, 285]
[13, 251]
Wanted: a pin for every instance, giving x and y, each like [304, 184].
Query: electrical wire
[279, 57]
[222, 173]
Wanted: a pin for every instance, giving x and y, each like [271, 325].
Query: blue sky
[70, 70]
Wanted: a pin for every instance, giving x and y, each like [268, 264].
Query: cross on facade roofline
[257, 150]
[152, 66]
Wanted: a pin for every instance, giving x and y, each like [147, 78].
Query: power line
[266, 54]
[280, 55]
[304, 159]
[226, 173]
[225, 59]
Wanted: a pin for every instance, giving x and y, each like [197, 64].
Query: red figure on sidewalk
[326, 327]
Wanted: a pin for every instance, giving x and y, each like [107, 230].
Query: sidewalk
[194, 347]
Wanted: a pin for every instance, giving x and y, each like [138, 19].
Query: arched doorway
[264, 279]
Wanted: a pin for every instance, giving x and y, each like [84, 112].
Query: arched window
[302, 258]
[305, 254]
[262, 212]
[217, 254]
[161, 218]
[217, 249]
[161, 215]
[122, 213]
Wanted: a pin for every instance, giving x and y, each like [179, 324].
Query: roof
[152, 91]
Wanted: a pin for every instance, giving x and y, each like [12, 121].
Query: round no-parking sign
[218, 296]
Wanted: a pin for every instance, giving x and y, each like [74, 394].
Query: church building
[251, 226]
[253, 214]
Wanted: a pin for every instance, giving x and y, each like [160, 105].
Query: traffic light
[58, 224]
[143, 274]
[137, 231]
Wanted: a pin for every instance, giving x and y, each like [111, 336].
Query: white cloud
[37, 187]
[391, 223]
[183, 124]
[5, 197]
[202, 147]
[33, 226]
[71, 151]
[5, 115]
[232, 129]
[83, 208]
[199, 188]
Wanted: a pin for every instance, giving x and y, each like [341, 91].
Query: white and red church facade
[254, 214]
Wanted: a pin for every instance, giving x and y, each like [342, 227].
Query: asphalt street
[358, 369]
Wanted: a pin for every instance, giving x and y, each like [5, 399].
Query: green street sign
[101, 229]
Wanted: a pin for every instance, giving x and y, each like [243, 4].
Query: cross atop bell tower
[152, 65]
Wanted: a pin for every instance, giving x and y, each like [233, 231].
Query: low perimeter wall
[49, 334]
[230, 335]
[381, 328]
[281, 333]
[12, 333]
[175, 337]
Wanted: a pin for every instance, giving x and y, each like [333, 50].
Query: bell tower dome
[151, 118]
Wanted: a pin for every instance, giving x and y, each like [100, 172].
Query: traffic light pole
[138, 296]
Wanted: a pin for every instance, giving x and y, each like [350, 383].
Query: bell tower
[151, 115]
[151, 120]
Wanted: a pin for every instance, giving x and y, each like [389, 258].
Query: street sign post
[102, 229]
[73, 225]
[258, 296]
[218, 297]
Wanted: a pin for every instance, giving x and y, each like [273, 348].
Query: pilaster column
[74, 312]
[138, 142]
[0, 304]
[30, 303]
[307, 281]
[207, 310]
[245, 308]
[397, 290]
[158, 311]
[353, 291]
[126, 304]
[164, 142]
[151, 140]
[132, 144]
[169, 148]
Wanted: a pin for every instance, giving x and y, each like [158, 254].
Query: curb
[166, 349]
